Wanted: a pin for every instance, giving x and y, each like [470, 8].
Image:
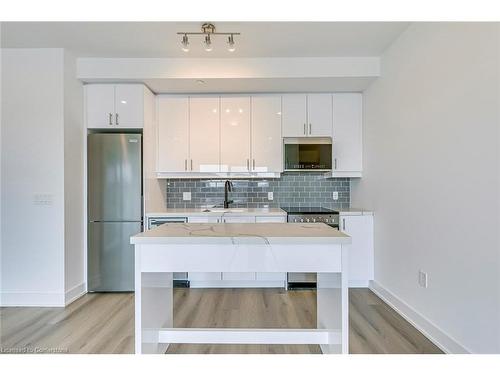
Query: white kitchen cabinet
[100, 105]
[173, 134]
[347, 135]
[361, 264]
[319, 115]
[119, 106]
[267, 145]
[204, 134]
[307, 115]
[294, 115]
[235, 134]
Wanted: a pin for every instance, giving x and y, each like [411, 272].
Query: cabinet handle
[335, 163]
[343, 224]
[310, 129]
[304, 129]
[191, 164]
[254, 164]
[110, 119]
[116, 118]
[185, 164]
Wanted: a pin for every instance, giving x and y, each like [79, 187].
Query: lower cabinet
[237, 279]
[361, 267]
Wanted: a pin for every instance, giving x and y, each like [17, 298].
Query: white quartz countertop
[293, 233]
[218, 212]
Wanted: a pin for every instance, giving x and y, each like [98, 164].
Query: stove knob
[301, 220]
[295, 220]
[326, 220]
[314, 220]
[307, 219]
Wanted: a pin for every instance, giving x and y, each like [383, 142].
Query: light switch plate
[43, 199]
[335, 195]
[270, 195]
[186, 196]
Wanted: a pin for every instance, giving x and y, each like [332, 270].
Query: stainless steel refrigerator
[114, 209]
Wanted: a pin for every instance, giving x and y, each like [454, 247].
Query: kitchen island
[270, 247]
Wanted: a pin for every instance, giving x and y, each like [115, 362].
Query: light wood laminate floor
[104, 322]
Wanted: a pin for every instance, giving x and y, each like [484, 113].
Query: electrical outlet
[422, 279]
[186, 196]
[270, 195]
[335, 195]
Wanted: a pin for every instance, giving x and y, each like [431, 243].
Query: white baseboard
[237, 284]
[359, 283]
[32, 299]
[440, 338]
[74, 293]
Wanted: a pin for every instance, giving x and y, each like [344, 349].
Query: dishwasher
[180, 278]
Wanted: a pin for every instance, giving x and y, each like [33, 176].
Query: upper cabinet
[307, 115]
[204, 134]
[229, 134]
[173, 133]
[295, 115]
[114, 106]
[235, 134]
[347, 135]
[267, 152]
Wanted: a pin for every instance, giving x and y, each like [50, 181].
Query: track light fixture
[207, 30]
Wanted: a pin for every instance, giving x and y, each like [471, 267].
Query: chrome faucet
[228, 186]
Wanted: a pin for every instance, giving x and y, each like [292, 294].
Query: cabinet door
[235, 134]
[173, 134]
[294, 115]
[129, 106]
[347, 132]
[100, 106]
[319, 115]
[267, 144]
[204, 145]
[360, 228]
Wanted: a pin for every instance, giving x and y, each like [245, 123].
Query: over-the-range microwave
[307, 154]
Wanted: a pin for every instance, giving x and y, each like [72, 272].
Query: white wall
[431, 174]
[41, 153]
[32, 162]
[73, 181]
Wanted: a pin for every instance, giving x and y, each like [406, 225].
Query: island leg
[153, 307]
[333, 306]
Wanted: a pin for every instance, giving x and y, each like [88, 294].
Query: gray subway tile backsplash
[307, 189]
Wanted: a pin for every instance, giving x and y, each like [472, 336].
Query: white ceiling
[159, 39]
